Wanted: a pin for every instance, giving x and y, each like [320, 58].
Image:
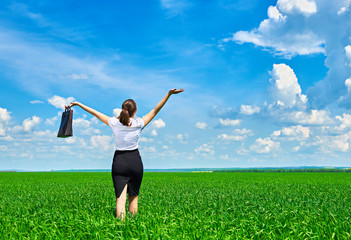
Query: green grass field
[178, 206]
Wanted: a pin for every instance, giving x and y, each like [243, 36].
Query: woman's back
[126, 137]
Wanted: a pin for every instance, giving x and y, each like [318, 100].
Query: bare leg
[121, 204]
[133, 205]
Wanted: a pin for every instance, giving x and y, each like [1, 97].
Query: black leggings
[127, 168]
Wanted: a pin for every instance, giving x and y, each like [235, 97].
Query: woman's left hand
[175, 91]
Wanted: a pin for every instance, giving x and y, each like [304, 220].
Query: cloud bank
[307, 27]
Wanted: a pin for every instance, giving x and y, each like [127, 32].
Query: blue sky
[267, 83]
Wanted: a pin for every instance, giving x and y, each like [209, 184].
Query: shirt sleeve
[112, 121]
[140, 123]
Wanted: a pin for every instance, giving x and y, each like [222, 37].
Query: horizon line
[176, 169]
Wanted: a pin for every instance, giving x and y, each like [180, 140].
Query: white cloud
[30, 123]
[84, 126]
[348, 85]
[339, 143]
[273, 13]
[218, 111]
[4, 119]
[46, 133]
[282, 42]
[288, 103]
[159, 123]
[169, 3]
[89, 131]
[249, 110]
[276, 133]
[201, 125]
[81, 123]
[345, 7]
[70, 140]
[27, 155]
[297, 148]
[101, 142]
[182, 138]
[242, 151]
[117, 112]
[36, 102]
[265, 145]
[285, 88]
[227, 137]
[205, 150]
[345, 100]
[7, 138]
[342, 10]
[296, 131]
[348, 54]
[154, 133]
[224, 157]
[60, 102]
[94, 120]
[3, 148]
[287, 35]
[51, 121]
[293, 133]
[229, 122]
[314, 117]
[76, 76]
[345, 122]
[4, 115]
[179, 136]
[145, 139]
[2, 130]
[149, 149]
[243, 131]
[175, 7]
[23, 11]
[305, 7]
[83, 143]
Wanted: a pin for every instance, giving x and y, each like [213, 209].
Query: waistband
[123, 151]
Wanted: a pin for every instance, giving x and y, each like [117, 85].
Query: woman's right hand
[72, 104]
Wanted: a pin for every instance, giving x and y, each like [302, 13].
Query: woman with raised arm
[127, 167]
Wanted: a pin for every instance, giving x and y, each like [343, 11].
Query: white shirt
[126, 137]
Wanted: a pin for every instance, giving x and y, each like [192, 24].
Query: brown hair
[128, 109]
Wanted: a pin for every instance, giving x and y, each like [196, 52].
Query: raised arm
[148, 117]
[97, 114]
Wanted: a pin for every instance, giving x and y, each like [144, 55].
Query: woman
[127, 167]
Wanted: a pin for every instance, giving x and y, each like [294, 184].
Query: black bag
[66, 124]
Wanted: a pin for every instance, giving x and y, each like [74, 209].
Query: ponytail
[128, 109]
[124, 117]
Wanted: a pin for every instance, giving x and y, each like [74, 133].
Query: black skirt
[127, 168]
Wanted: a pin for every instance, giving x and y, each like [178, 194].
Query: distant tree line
[286, 170]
